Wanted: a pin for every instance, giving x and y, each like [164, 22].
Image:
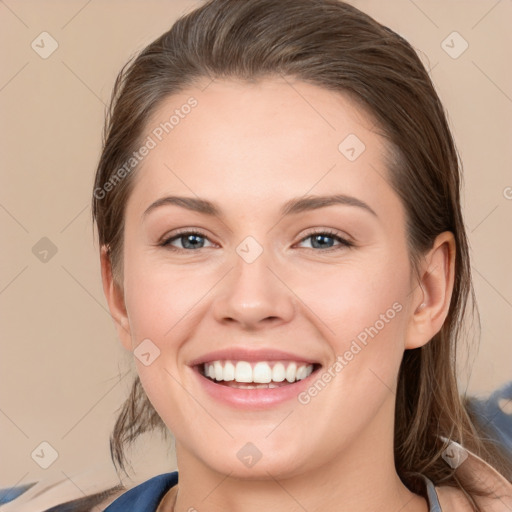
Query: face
[275, 278]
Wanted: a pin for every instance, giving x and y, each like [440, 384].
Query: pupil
[193, 239]
[320, 238]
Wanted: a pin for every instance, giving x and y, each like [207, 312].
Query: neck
[362, 478]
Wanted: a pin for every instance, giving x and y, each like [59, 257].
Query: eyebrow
[291, 207]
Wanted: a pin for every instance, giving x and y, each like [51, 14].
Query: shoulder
[476, 472]
[454, 500]
[80, 492]
[57, 494]
[144, 496]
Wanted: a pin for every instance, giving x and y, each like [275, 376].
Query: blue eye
[320, 239]
[189, 240]
[194, 240]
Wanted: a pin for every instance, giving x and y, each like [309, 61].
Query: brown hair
[333, 45]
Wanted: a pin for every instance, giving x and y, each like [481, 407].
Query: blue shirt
[146, 496]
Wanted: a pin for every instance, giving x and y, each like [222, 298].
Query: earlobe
[115, 300]
[432, 297]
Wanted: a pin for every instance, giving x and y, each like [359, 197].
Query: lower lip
[261, 398]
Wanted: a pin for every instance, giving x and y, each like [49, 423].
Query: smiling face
[271, 274]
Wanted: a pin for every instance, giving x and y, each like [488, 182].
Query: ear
[432, 295]
[115, 300]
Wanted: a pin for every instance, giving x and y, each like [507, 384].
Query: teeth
[218, 371]
[291, 372]
[263, 373]
[278, 372]
[243, 371]
[229, 371]
[301, 373]
[256, 386]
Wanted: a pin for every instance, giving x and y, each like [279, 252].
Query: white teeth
[291, 372]
[278, 372]
[261, 373]
[219, 372]
[256, 386]
[229, 371]
[243, 371]
[301, 372]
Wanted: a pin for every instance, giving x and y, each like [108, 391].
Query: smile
[252, 379]
[256, 374]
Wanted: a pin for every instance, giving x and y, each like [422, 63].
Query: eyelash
[344, 243]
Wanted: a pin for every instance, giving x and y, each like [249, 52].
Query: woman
[283, 250]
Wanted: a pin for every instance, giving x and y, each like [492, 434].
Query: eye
[189, 239]
[322, 240]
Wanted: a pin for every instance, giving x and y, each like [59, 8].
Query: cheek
[160, 302]
[365, 332]
[161, 298]
[358, 299]
[363, 308]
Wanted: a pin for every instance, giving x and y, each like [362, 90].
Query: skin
[250, 148]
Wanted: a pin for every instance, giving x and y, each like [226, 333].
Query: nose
[254, 295]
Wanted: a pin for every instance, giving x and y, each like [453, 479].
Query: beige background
[63, 372]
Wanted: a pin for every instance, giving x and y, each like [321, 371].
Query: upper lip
[246, 354]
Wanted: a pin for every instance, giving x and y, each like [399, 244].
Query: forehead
[262, 142]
